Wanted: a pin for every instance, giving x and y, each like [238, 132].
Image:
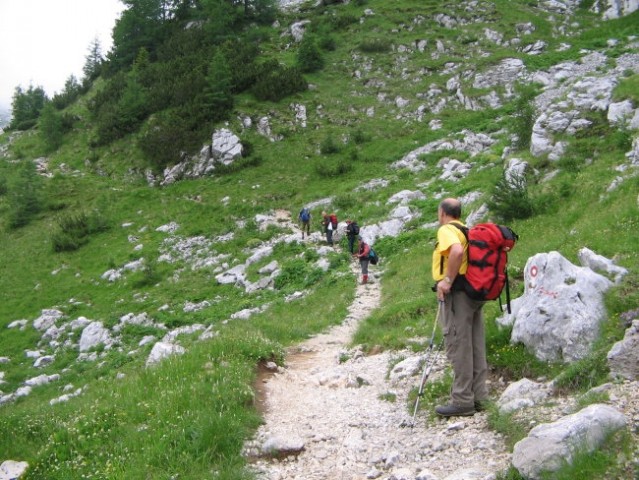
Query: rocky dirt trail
[329, 414]
[334, 413]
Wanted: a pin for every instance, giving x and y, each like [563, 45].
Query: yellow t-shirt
[447, 236]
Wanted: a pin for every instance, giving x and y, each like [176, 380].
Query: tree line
[172, 73]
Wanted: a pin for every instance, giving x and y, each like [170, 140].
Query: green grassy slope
[189, 416]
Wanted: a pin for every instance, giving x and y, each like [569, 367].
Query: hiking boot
[454, 411]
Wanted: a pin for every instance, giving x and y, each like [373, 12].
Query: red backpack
[333, 219]
[488, 247]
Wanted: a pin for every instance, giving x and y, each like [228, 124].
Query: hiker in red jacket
[363, 249]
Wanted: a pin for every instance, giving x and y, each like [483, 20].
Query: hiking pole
[428, 366]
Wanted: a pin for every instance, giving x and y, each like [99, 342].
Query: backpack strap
[507, 291]
[461, 227]
[507, 286]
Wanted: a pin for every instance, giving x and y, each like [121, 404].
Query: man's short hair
[451, 208]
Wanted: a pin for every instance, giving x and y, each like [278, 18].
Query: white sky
[43, 42]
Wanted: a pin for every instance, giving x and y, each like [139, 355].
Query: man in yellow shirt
[461, 317]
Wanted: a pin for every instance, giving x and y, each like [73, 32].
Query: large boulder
[234, 276]
[298, 29]
[558, 316]
[12, 470]
[225, 146]
[549, 445]
[619, 8]
[93, 335]
[47, 319]
[162, 350]
[601, 264]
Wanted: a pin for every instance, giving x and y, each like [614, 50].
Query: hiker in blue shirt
[305, 221]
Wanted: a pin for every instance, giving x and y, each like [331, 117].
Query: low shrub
[309, 57]
[295, 274]
[72, 230]
[375, 46]
[240, 164]
[584, 374]
[359, 137]
[165, 138]
[339, 22]
[148, 276]
[346, 201]
[510, 199]
[278, 83]
[326, 170]
[571, 163]
[327, 43]
[329, 146]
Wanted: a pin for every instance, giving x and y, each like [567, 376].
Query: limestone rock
[549, 445]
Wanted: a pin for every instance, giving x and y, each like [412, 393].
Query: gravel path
[333, 413]
[328, 415]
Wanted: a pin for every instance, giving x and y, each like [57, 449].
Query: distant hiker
[461, 319]
[327, 223]
[363, 250]
[352, 231]
[305, 221]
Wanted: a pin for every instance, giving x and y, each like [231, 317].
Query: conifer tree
[94, 60]
[133, 105]
[218, 98]
[50, 127]
[72, 90]
[24, 195]
[26, 107]
[309, 57]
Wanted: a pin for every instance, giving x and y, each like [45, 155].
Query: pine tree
[50, 128]
[309, 57]
[94, 60]
[71, 92]
[26, 107]
[217, 97]
[24, 197]
[133, 105]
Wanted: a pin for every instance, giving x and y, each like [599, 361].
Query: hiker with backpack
[305, 221]
[352, 232]
[461, 318]
[363, 255]
[329, 222]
